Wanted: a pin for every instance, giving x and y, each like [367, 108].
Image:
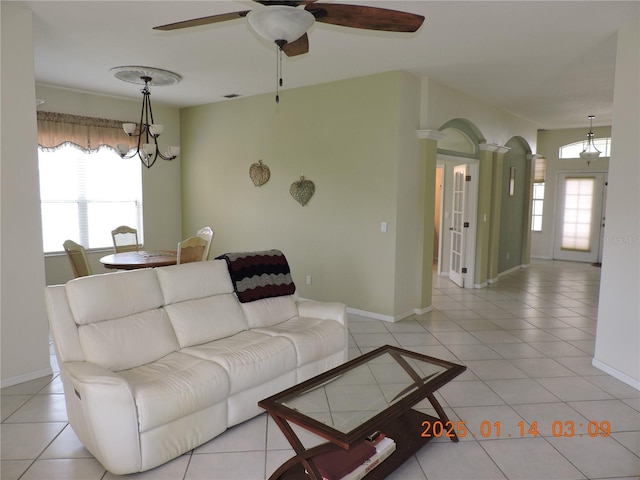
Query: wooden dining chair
[125, 239]
[207, 234]
[191, 250]
[78, 258]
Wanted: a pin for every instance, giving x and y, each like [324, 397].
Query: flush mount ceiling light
[147, 132]
[590, 151]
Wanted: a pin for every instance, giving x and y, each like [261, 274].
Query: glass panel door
[579, 219]
[457, 226]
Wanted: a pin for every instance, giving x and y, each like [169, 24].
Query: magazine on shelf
[336, 464]
[384, 448]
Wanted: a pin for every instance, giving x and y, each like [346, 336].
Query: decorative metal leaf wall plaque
[259, 173]
[302, 190]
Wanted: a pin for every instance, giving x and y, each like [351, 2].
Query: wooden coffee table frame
[398, 421]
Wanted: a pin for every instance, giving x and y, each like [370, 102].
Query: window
[86, 194]
[573, 150]
[538, 204]
[539, 173]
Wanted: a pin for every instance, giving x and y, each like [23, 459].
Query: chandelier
[590, 151]
[146, 131]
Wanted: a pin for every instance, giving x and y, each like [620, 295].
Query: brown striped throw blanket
[257, 275]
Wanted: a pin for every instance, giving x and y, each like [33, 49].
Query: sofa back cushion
[97, 298]
[200, 302]
[190, 281]
[270, 311]
[120, 321]
[128, 342]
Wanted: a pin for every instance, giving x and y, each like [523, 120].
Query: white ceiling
[550, 62]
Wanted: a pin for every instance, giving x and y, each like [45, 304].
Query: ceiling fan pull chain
[278, 73]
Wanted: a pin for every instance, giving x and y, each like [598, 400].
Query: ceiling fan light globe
[280, 22]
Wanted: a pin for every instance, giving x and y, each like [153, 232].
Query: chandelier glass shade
[146, 131]
[590, 151]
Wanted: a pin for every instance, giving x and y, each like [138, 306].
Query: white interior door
[457, 226]
[579, 221]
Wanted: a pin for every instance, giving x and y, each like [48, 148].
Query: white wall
[161, 184]
[24, 330]
[441, 103]
[618, 332]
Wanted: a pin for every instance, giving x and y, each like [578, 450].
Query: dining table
[139, 259]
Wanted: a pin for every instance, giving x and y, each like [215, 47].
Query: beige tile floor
[527, 342]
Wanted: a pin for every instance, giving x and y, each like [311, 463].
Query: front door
[580, 216]
[456, 263]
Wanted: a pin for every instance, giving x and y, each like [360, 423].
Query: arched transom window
[573, 150]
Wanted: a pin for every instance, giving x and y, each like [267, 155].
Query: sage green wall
[350, 138]
[512, 213]
[411, 202]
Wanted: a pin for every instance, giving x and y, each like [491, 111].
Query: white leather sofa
[155, 362]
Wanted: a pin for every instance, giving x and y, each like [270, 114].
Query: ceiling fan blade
[369, 18]
[203, 21]
[290, 3]
[297, 47]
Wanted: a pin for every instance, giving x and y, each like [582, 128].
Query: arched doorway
[456, 201]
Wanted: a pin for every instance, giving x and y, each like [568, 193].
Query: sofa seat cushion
[313, 338]
[250, 358]
[175, 386]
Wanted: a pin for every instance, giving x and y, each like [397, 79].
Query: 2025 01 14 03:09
[488, 429]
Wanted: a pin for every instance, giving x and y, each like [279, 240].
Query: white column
[618, 332]
[25, 333]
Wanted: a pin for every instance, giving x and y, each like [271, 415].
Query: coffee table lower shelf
[410, 435]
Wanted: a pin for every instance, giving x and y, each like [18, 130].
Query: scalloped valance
[87, 133]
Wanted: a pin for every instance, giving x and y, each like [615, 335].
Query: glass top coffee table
[372, 393]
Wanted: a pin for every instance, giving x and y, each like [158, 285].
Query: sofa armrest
[325, 310]
[102, 411]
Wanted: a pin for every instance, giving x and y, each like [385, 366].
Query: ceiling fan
[282, 22]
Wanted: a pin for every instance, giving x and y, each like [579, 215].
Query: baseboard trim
[616, 374]
[25, 377]
[422, 311]
[384, 318]
[511, 270]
